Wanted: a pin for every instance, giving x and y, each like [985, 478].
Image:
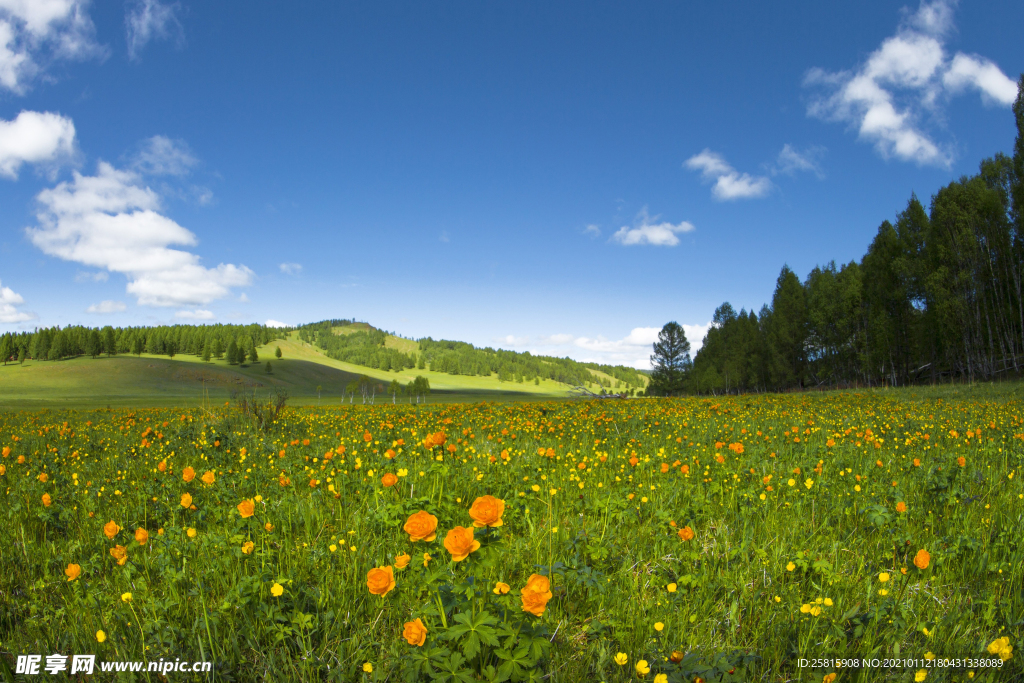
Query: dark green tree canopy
[670, 361]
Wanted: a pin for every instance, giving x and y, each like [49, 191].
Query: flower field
[659, 540]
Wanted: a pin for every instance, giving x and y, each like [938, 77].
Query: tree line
[367, 347]
[939, 295]
[235, 342]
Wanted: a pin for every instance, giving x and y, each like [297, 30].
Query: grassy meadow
[185, 380]
[656, 539]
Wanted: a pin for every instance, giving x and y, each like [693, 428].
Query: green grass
[187, 381]
[797, 504]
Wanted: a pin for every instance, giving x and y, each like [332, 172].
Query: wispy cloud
[112, 221]
[792, 160]
[291, 268]
[198, 314]
[9, 302]
[107, 306]
[36, 33]
[730, 184]
[592, 230]
[647, 230]
[633, 350]
[906, 81]
[97, 276]
[147, 20]
[160, 155]
[35, 138]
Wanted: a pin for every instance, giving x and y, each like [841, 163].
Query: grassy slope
[179, 381]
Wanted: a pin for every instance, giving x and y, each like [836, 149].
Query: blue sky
[556, 177]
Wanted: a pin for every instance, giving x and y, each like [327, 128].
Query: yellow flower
[73, 571]
[191, 532]
[1002, 648]
[277, 590]
[809, 483]
[883, 577]
[884, 591]
[828, 602]
[671, 588]
[661, 678]
[368, 668]
[621, 658]
[100, 636]
[790, 567]
[426, 559]
[920, 676]
[126, 597]
[501, 588]
[929, 656]
[791, 482]
[642, 668]
[805, 608]
[658, 626]
[332, 548]
[247, 547]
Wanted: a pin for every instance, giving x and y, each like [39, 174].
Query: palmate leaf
[480, 629]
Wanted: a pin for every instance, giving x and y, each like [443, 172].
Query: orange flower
[720, 459]
[188, 474]
[685, 469]
[460, 543]
[43, 477]
[402, 560]
[500, 588]
[162, 466]
[246, 508]
[961, 461]
[487, 511]
[73, 571]
[415, 633]
[119, 553]
[664, 467]
[248, 547]
[901, 506]
[380, 580]
[47, 501]
[633, 461]
[922, 559]
[367, 437]
[7, 451]
[535, 594]
[141, 536]
[208, 478]
[389, 479]
[917, 462]
[186, 500]
[110, 529]
[421, 526]
[686, 533]
[676, 656]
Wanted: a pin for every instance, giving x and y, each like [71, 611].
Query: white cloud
[244, 298]
[198, 314]
[592, 230]
[159, 155]
[291, 268]
[633, 350]
[647, 230]
[110, 220]
[730, 184]
[34, 33]
[275, 323]
[98, 276]
[34, 138]
[148, 20]
[107, 306]
[791, 160]
[9, 301]
[908, 77]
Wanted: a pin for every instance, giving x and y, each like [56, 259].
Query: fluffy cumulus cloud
[647, 230]
[35, 138]
[107, 306]
[889, 98]
[633, 350]
[112, 221]
[35, 33]
[148, 20]
[9, 302]
[729, 184]
[275, 323]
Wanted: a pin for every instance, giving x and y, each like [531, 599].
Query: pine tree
[253, 356]
[206, 352]
[232, 353]
[218, 348]
[109, 342]
[670, 360]
[277, 352]
[267, 368]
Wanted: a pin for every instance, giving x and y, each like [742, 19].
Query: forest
[367, 348]
[939, 295]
